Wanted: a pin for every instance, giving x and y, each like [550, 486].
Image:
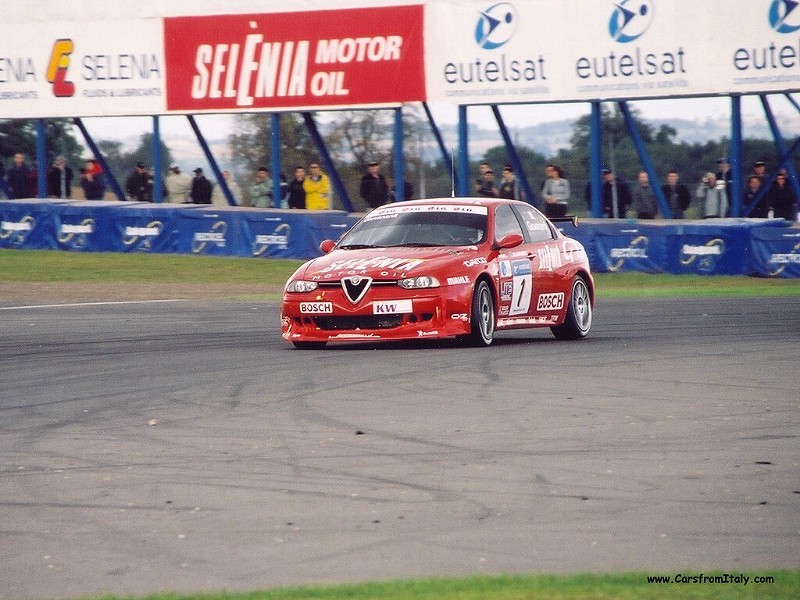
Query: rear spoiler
[565, 219]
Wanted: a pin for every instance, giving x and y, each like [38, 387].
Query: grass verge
[627, 586]
[54, 266]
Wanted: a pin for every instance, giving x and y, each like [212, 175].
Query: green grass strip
[55, 266]
[785, 584]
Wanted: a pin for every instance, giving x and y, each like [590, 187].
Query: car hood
[386, 262]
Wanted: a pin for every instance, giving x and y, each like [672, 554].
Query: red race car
[453, 267]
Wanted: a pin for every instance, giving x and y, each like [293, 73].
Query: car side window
[505, 222]
[536, 225]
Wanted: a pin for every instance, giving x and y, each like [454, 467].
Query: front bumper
[386, 314]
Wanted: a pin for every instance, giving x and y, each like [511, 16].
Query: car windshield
[418, 225]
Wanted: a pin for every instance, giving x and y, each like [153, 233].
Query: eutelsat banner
[82, 69]
[573, 50]
[324, 58]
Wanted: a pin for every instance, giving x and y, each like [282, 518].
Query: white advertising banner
[572, 50]
[463, 52]
[76, 69]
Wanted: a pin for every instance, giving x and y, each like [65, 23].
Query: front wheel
[579, 313]
[482, 321]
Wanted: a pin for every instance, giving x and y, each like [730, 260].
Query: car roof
[478, 201]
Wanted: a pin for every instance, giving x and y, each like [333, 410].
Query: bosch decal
[550, 302]
[316, 307]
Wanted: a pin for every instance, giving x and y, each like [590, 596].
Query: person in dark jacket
[782, 199]
[201, 188]
[374, 189]
[297, 194]
[760, 210]
[611, 190]
[59, 179]
[18, 177]
[676, 194]
[139, 185]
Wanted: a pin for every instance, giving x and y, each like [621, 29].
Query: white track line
[90, 304]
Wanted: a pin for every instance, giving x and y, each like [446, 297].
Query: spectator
[297, 193]
[725, 174]
[374, 189]
[179, 185]
[644, 198]
[760, 170]
[676, 194]
[713, 197]
[482, 168]
[486, 186]
[261, 190]
[760, 210]
[615, 196]
[18, 177]
[201, 188]
[139, 185]
[59, 179]
[555, 192]
[218, 196]
[318, 189]
[509, 186]
[782, 198]
[92, 180]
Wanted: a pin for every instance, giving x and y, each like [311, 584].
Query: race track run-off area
[185, 446]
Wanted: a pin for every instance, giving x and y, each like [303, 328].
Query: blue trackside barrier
[706, 247]
[764, 247]
[102, 226]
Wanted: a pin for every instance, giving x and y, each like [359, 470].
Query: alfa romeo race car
[453, 267]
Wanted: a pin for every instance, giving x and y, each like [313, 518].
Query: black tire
[309, 345]
[482, 319]
[579, 313]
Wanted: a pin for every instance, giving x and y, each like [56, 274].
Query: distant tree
[251, 147]
[19, 135]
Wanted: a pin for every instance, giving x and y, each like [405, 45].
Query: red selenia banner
[292, 60]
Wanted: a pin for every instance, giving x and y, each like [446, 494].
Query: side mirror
[327, 245]
[509, 241]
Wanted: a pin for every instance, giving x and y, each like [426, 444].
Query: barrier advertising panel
[775, 252]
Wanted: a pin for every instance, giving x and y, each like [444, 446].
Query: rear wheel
[309, 345]
[482, 320]
[579, 313]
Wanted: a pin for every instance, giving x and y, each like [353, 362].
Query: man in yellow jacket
[318, 189]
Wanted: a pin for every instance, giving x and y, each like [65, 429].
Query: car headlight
[417, 283]
[301, 286]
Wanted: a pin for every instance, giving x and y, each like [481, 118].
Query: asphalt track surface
[184, 446]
